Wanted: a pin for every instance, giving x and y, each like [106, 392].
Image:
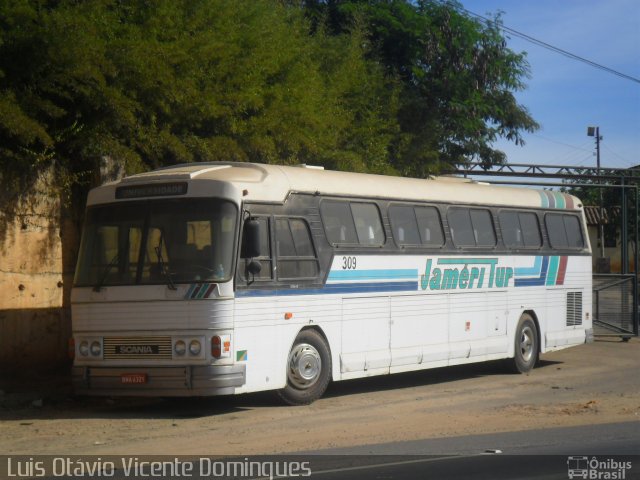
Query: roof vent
[453, 178]
[210, 169]
[313, 167]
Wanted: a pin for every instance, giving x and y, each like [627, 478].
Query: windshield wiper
[163, 266]
[105, 273]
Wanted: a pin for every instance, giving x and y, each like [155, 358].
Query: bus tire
[527, 345]
[308, 369]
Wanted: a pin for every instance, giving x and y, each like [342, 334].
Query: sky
[566, 96]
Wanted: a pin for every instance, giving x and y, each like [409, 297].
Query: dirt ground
[595, 383]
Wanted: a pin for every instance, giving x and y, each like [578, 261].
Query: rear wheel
[308, 369]
[527, 345]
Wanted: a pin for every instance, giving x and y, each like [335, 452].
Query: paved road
[604, 439]
[532, 454]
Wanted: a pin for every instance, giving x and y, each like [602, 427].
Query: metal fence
[615, 305]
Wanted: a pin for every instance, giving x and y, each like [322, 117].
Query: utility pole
[595, 132]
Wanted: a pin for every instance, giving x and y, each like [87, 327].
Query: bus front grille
[137, 348]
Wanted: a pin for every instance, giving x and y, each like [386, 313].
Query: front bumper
[189, 381]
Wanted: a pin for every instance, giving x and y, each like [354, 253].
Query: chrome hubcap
[526, 343]
[304, 366]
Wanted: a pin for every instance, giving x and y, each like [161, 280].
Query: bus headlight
[180, 347]
[83, 348]
[96, 348]
[194, 347]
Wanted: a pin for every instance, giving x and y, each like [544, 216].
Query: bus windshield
[157, 242]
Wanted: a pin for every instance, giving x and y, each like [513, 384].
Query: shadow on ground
[51, 396]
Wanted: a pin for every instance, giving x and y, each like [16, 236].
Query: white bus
[226, 278]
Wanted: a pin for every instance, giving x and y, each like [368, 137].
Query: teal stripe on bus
[560, 201]
[192, 287]
[554, 263]
[395, 274]
[203, 290]
[544, 201]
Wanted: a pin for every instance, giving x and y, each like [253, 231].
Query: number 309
[348, 263]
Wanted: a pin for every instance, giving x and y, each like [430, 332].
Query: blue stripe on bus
[334, 288]
[530, 271]
[534, 282]
[395, 274]
[552, 200]
[192, 287]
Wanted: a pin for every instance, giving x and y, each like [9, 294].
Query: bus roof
[273, 183]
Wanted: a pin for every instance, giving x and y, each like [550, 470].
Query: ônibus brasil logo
[593, 468]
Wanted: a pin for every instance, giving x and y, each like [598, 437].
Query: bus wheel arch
[308, 368]
[526, 344]
[533, 315]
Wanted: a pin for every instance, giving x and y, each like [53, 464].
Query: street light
[595, 132]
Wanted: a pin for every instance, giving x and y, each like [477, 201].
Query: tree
[458, 79]
[609, 200]
[388, 86]
[163, 82]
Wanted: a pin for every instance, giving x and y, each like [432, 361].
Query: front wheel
[308, 369]
[527, 345]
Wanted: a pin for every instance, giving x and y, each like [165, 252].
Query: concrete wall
[36, 264]
[613, 254]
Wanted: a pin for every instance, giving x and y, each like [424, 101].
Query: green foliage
[162, 82]
[383, 86]
[457, 75]
[610, 200]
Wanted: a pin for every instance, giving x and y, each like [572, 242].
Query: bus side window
[483, 231]
[511, 230]
[471, 227]
[368, 224]
[574, 233]
[556, 230]
[520, 229]
[564, 230]
[461, 227]
[338, 222]
[530, 230]
[416, 225]
[404, 225]
[430, 226]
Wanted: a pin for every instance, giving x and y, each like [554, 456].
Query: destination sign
[153, 190]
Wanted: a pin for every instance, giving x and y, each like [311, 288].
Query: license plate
[133, 378]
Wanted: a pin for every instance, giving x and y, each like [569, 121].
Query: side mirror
[251, 239]
[254, 267]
